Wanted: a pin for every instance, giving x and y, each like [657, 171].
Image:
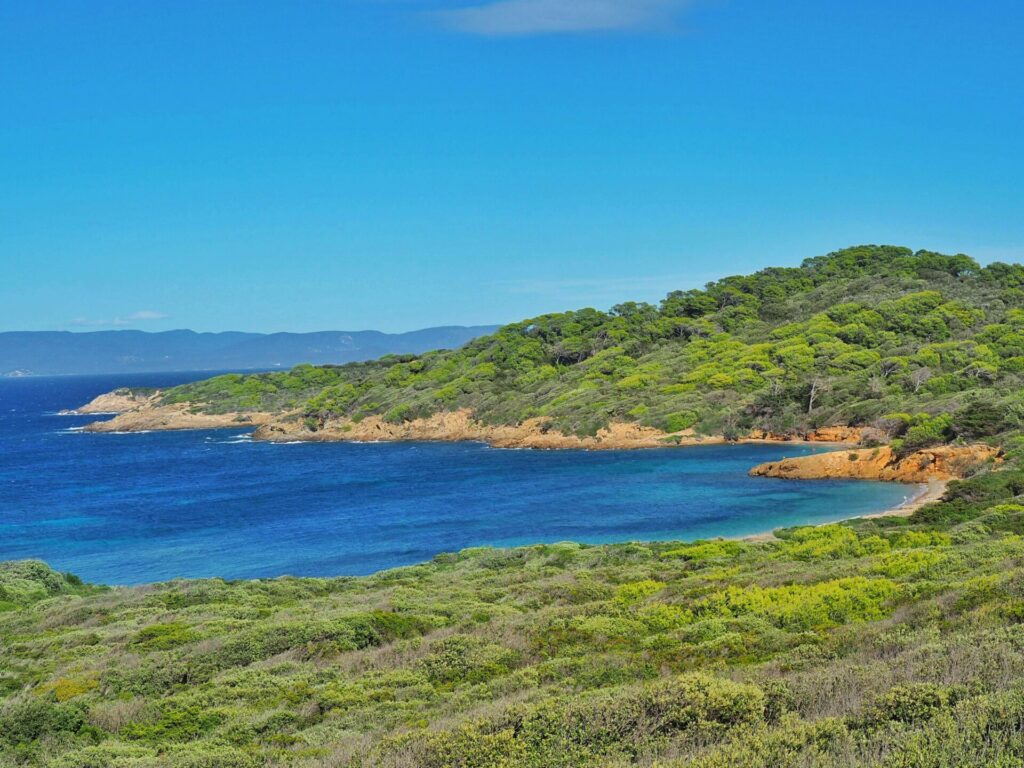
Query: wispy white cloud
[500, 18]
[143, 315]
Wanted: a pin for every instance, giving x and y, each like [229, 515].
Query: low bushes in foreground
[885, 642]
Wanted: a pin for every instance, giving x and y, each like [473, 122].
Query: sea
[144, 507]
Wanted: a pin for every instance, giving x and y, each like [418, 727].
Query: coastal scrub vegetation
[889, 642]
[926, 347]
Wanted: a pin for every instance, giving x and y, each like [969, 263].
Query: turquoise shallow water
[125, 509]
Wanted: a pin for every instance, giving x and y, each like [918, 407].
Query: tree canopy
[845, 338]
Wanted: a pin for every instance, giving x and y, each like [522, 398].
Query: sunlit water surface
[132, 508]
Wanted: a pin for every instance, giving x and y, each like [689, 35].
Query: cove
[126, 509]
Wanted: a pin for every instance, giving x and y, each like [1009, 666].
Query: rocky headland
[118, 401]
[944, 462]
[142, 412]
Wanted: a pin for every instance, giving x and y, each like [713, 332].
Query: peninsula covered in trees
[921, 347]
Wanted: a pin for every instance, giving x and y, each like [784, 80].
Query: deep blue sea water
[124, 509]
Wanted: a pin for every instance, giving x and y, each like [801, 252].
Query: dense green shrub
[802, 607]
[173, 723]
[23, 582]
[588, 730]
[828, 541]
[161, 637]
[912, 703]
[31, 718]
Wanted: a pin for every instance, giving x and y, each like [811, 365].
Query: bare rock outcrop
[171, 417]
[944, 462]
[141, 411]
[836, 434]
[460, 425]
[531, 433]
[118, 401]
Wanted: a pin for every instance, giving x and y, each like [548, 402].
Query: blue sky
[395, 164]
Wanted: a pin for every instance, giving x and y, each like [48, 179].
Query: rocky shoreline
[118, 401]
[460, 426]
[943, 462]
[173, 417]
[140, 412]
[144, 413]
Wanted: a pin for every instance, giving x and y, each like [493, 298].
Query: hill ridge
[132, 351]
[911, 346]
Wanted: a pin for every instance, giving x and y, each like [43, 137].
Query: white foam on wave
[233, 440]
[73, 412]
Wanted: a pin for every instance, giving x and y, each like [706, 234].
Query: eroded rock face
[533, 433]
[138, 412]
[170, 417]
[460, 425]
[142, 412]
[118, 401]
[837, 434]
[945, 462]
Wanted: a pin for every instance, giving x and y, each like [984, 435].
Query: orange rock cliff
[944, 462]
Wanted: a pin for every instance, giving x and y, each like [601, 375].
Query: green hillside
[891, 643]
[846, 338]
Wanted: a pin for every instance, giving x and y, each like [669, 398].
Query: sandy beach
[926, 493]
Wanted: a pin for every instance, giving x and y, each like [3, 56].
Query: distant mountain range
[48, 353]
